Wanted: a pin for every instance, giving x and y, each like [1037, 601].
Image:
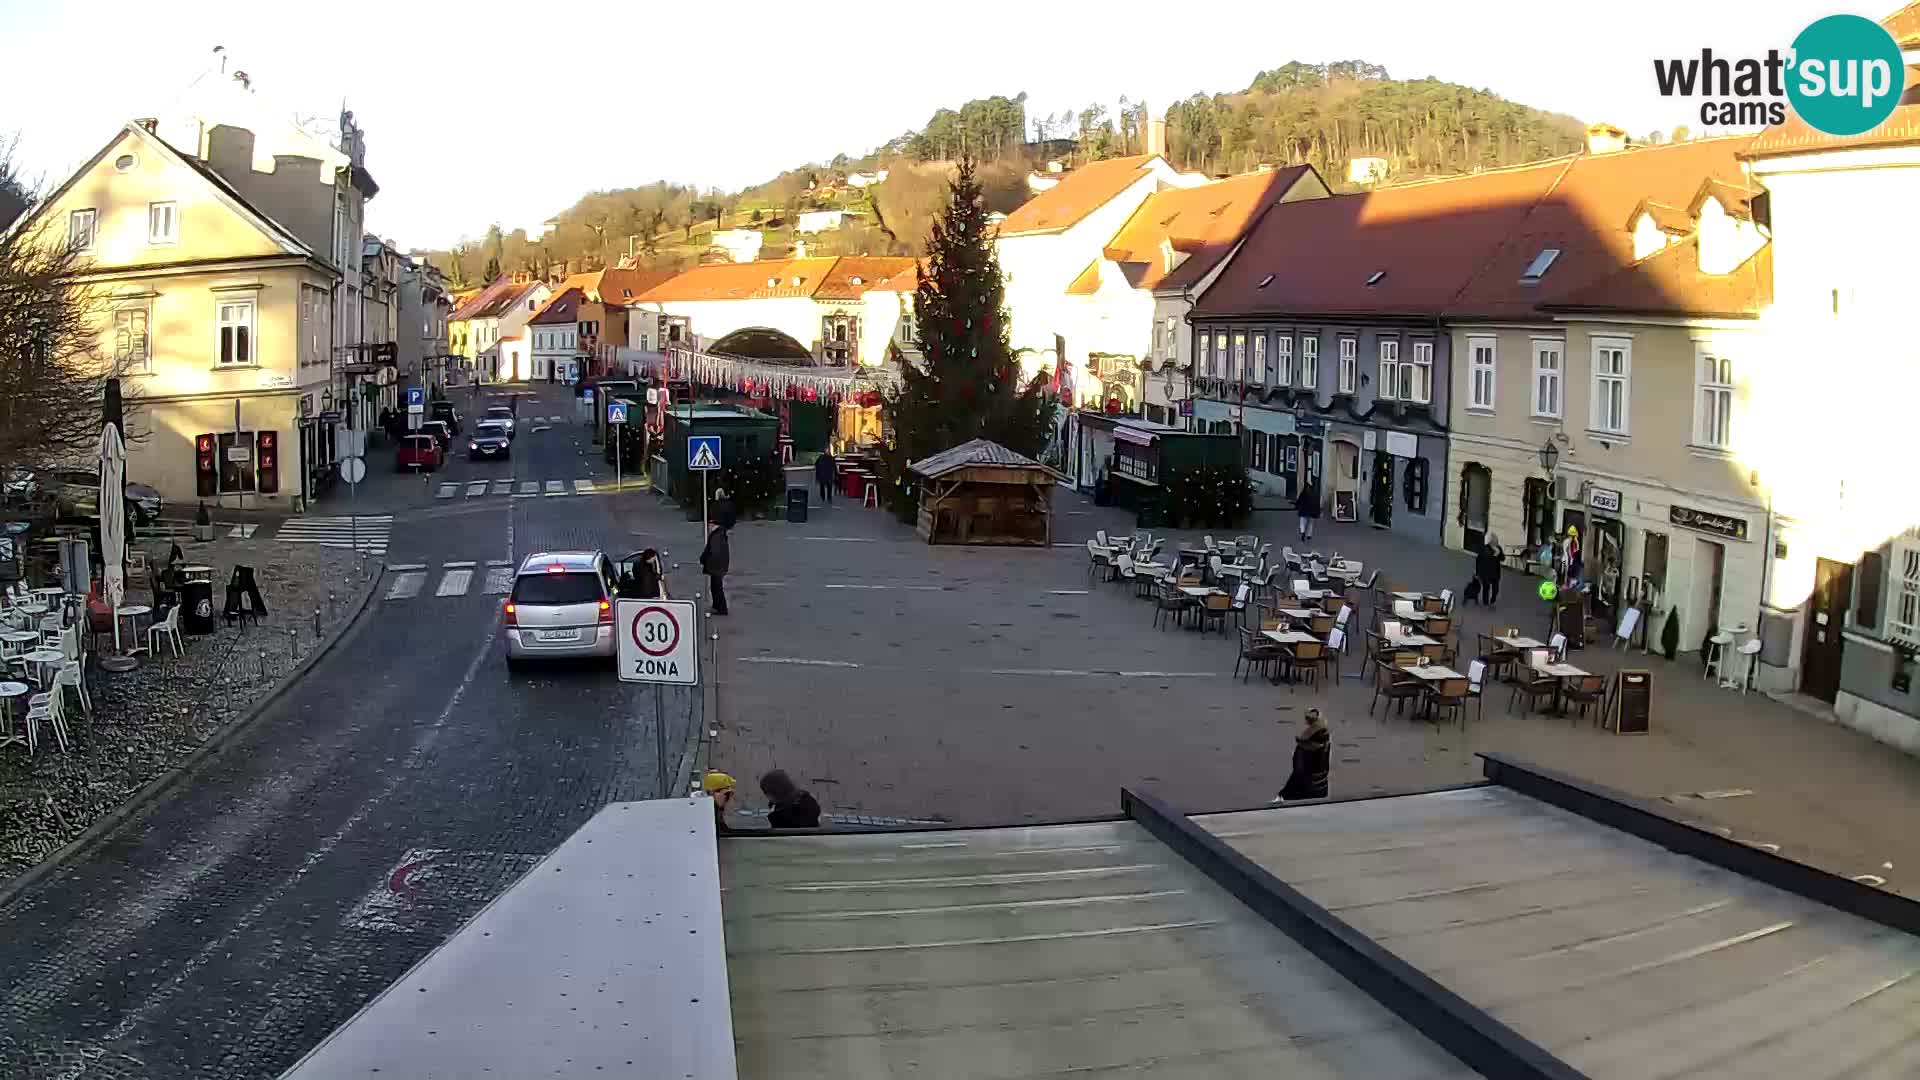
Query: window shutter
[1866, 604]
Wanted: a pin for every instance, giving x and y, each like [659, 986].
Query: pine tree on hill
[969, 387]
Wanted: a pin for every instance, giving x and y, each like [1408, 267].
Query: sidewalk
[1772, 774]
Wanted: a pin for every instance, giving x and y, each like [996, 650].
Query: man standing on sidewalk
[714, 562]
[823, 473]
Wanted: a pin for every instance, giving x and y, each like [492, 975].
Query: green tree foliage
[1325, 114]
[970, 385]
[493, 267]
[984, 128]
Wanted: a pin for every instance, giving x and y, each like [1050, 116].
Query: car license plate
[556, 635]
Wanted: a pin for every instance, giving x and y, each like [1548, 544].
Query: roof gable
[561, 308]
[1078, 194]
[1669, 282]
[1202, 223]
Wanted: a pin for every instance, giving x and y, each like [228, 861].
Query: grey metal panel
[1079, 949]
[605, 960]
[1624, 958]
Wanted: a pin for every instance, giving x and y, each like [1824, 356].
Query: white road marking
[396, 567]
[452, 565]
[555, 487]
[502, 487]
[540, 428]
[903, 588]
[368, 533]
[242, 532]
[499, 562]
[1067, 592]
[529, 487]
[406, 586]
[845, 539]
[476, 487]
[583, 487]
[499, 580]
[1072, 673]
[446, 491]
[795, 660]
[454, 583]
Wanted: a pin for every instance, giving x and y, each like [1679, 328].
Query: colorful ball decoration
[1548, 590]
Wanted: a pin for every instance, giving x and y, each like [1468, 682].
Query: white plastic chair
[46, 707]
[1300, 585]
[1477, 683]
[167, 630]
[71, 674]
[1446, 601]
[1208, 543]
[1750, 657]
[1100, 537]
[1404, 609]
[1392, 629]
[1558, 644]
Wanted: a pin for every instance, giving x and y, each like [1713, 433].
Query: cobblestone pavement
[150, 719]
[992, 685]
[378, 804]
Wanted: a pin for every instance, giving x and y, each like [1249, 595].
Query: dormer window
[796, 281]
[773, 283]
[1375, 278]
[1538, 268]
[858, 280]
[1166, 253]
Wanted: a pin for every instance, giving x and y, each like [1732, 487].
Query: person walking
[1308, 505]
[1486, 567]
[788, 806]
[823, 474]
[715, 561]
[719, 787]
[1312, 761]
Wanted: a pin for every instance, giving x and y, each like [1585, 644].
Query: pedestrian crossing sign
[703, 452]
[616, 412]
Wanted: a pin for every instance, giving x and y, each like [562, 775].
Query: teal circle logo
[1847, 75]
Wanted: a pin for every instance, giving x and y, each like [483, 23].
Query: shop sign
[1369, 440]
[1401, 444]
[1733, 528]
[1310, 425]
[1606, 499]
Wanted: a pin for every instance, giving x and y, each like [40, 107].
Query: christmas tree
[969, 384]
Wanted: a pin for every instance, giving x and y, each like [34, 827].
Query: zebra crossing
[517, 489]
[449, 580]
[367, 533]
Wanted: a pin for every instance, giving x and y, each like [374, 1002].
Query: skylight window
[858, 280]
[1376, 278]
[1264, 282]
[1541, 263]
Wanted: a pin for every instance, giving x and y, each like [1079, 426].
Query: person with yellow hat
[1573, 563]
[719, 787]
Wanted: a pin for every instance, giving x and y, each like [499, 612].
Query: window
[1221, 357]
[80, 230]
[236, 332]
[132, 348]
[1903, 593]
[1416, 379]
[1480, 369]
[163, 223]
[1260, 357]
[1546, 379]
[1283, 359]
[1349, 376]
[1172, 329]
[1713, 404]
[1389, 370]
[1310, 361]
[1239, 370]
[1612, 363]
[1415, 484]
[1538, 268]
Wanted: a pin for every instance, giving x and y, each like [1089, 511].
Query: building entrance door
[1826, 614]
[1708, 564]
[1606, 562]
[1476, 493]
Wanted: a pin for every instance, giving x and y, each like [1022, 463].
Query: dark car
[76, 494]
[441, 432]
[490, 440]
[444, 411]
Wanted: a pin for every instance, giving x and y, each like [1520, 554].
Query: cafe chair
[1498, 657]
[1391, 684]
[1242, 597]
[1207, 542]
[1405, 609]
[1344, 622]
[1392, 629]
[1449, 696]
[1446, 601]
[1306, 658]
[1300, 585]
[1215, 607]
[1100, 537]
[167, 630]
[1330, 656]
[1534, 686]
[1477, 686]
[1095, 560]
[1587, 690]
[1557, 644]
[1171, 601]
[1256, 650]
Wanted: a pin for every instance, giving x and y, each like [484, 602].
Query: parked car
[561, 606]
[444, 411]
[420, 452]
[503, 415]
[440, 432]
[490, 440]
[76, 494]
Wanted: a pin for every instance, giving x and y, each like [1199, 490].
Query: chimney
[1605, 138]
[799, 249]
[150, 123]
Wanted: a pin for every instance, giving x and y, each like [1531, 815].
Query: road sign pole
[660, 737]
[616, 456]
[704, 525]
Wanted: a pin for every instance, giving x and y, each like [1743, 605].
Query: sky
[508, 113]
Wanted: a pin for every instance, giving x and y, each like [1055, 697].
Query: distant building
[862, 179]
[813, 221]
[1366, 170]
[740, 245]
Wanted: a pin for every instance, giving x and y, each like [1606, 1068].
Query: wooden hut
[983, 493]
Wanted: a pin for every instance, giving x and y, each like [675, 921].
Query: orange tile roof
[482, 298]
[1904, 25]
[1796, 136]
[562, 307]
[623, 286]
[1205, 222]
[826, 278]
[1078, 194]
[1087, 282]
[1667, 218]
[854, 275]
[1669, 282]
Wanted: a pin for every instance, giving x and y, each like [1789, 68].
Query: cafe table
[1431, 674]
[1410, 597]
[132, 613]
[1287, 637]
[47, 594]
[1560, 673]
[1519, 641]
[1313, 594]
[1300, 614]
[11, 692]
[46, 662]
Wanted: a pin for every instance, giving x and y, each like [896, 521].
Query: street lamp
[1549, 455]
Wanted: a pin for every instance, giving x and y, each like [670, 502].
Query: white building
[740, 245]
[555, 338]
[861, 180]
[815, 221]
[843, 311]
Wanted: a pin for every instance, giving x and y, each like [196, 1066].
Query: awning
[1133, 435]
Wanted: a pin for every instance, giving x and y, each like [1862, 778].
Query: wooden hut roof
[973, 453]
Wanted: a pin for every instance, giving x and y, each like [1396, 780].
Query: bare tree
[53, 371]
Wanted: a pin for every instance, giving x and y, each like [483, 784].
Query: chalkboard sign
[1344, 508]
[1632, 711]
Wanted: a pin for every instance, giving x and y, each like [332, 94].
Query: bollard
[293, 643]
[316, 622]
[263, 664]
[332, 610]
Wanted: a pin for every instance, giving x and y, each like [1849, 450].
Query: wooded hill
[1318, 114]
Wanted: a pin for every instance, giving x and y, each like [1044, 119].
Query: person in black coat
[1486, 567]
[823, 474]
[715, 561]
[790, 807]
[1308, 505]
[1312, 761]
[724, 512]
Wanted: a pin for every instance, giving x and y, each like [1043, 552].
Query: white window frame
[131, 360]
[75, 230]
[1416, 379]
[1903, 587]
[169, 236]
[1388, 386]
[1238, 369]
[1283, 359]
[1483, 368]
[222, 323]
[1713, 381]
[1173, 340]
[1349, 374]
[1611, 388]
[1222, 359]
[1554, 377]
[1310, 361]
[1260, 357]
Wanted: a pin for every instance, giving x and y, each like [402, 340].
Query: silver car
[561, 606]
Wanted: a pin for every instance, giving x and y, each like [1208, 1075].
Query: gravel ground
[150, 719]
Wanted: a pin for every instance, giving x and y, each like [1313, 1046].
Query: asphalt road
[403, 783]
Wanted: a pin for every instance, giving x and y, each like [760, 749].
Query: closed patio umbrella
[113, 521]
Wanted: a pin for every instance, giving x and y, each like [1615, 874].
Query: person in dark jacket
[724, 513]
[1312, 761]
[715, 561]
[1486, 567]
[823, 474]
[1308, 505]
[789, 807]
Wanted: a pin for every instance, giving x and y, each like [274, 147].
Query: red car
[419, 452]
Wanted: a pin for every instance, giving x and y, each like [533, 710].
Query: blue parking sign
[703, 452]
[416, 395]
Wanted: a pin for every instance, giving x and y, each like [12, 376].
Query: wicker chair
[1256, 650]
[1397, 688]
[1589, 690]
[1450, 695]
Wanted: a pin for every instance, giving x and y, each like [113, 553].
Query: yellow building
[219, 316]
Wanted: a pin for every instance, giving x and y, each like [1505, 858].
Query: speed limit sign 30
[659, 641]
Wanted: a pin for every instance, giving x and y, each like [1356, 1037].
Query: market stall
[983, 493]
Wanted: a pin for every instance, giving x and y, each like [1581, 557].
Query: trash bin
[196, 607]
[797, 505]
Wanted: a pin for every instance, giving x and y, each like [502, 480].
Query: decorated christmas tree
[969, 384]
